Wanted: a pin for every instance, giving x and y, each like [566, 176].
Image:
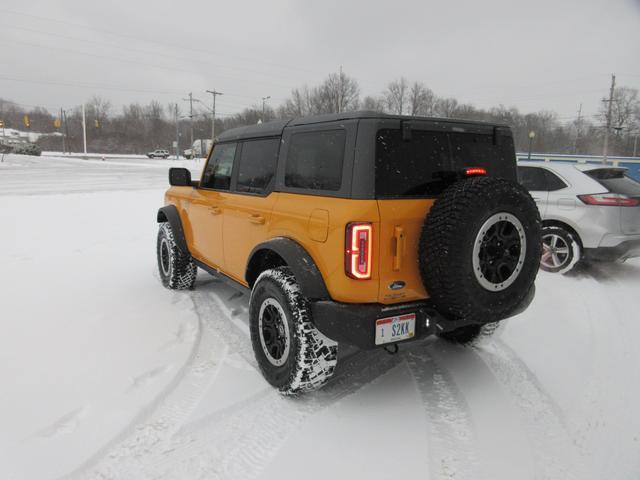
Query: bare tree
[338, 93]
[446, 107]
[98, 108]
[298, 105]
[396, 95]
[624, 111]
[422, 100]
[375, 104]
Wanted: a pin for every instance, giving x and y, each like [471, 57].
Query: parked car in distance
[358, 229]
[589, 211]
[158, 154]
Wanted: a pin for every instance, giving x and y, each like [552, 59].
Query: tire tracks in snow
[235, 442]
[555, 454]
[239, 441]
[610, 353]
[160, 418]
[452, 441]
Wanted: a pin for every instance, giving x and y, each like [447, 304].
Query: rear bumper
[622, 251]
[354, 324]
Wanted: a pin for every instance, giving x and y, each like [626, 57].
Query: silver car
[589, 212]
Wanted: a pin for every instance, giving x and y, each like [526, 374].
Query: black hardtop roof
[275, 128]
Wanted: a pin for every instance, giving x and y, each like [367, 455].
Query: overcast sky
[543, 54]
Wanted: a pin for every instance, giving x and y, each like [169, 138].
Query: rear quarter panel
[301, 218]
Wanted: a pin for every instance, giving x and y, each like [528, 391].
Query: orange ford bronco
[358, 228]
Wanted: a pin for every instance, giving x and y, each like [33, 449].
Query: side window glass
[554, 182]
[257, 165]
[217, 173]
[314, 160]
[532, 178]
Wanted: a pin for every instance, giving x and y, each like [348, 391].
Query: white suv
[589, 211]
[158, 154]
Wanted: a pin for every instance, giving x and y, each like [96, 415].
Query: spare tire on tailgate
[480, 249]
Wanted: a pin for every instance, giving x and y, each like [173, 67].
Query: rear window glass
[314, 160]
[405, 169]
[410, 168]
[475, 150]
[257, 167]
[616, 181]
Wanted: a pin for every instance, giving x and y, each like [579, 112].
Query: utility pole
[190, 99]
[214, 94]
[84, 130]
[64, 147]
[177, 134]
[340, 91]
[578, 126]
[605, 150]
[264, 100]
[66, 130]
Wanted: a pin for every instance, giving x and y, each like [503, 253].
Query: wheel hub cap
[274, 332]
[499, 251]
[165, 257]
[555, 251]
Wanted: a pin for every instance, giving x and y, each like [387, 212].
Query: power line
[138, 63]
[189, 48]
[144, 52]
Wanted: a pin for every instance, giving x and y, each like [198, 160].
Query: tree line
[138, 128]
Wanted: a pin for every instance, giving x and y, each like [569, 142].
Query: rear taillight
[473, 171]
[609, 200]
[357, 254]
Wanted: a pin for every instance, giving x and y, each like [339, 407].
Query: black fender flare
[297, 259]
[169, 213]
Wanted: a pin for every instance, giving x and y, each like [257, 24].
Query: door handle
[257, 219]
[214, 210]
[398, 235]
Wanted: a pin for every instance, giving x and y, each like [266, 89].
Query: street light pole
[264, 100]
[64, 148]
[532, 135]
[214, 94]
[190, 100]
[84, 130]
[177, 134]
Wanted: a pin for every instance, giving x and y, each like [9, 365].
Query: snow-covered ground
[105, 374]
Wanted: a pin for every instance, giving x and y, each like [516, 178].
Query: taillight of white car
[609, 200]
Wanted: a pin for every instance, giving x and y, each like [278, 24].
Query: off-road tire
[312, 357]
[571, 244]
[451, 230]
[178, 272]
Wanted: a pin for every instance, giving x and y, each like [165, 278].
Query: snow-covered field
[105, 374]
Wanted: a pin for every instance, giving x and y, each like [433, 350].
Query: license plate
[394, 329]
